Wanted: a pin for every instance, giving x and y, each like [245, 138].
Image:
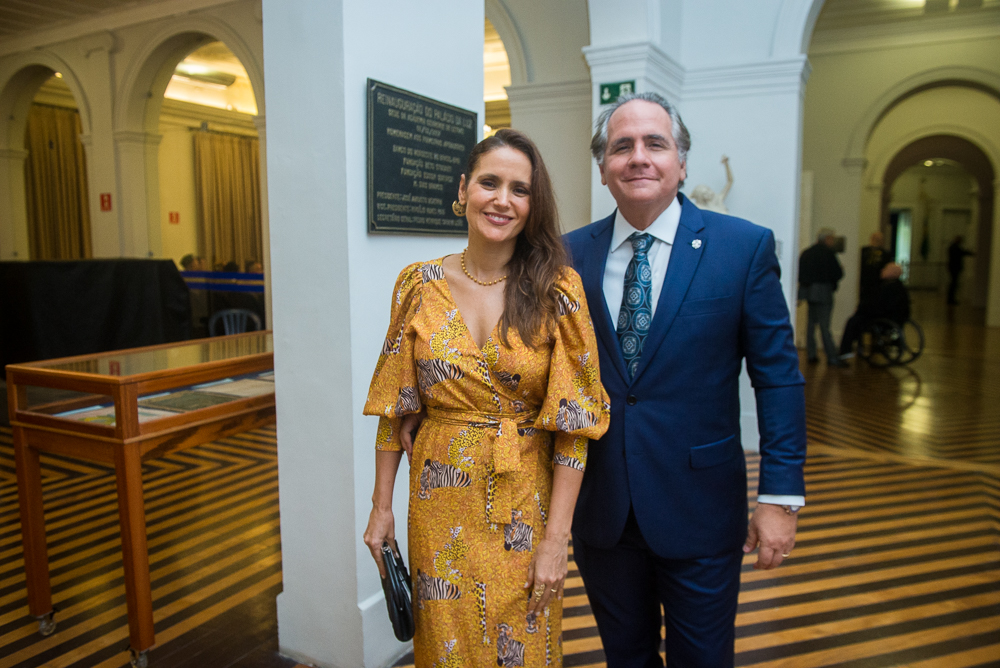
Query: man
[956, 263]
[819, 274]
[873, 258]
[662, 512]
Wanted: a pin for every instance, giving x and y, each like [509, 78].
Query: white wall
[331, 292]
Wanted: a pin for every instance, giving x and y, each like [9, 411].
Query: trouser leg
[811, 325]
[823, 316]
[621, 587]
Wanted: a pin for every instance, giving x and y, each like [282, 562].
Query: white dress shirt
[663, 230]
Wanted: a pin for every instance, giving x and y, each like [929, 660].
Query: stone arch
[137, 116]
[20, 78]
[794, 27]
[970, 151]
[967, 77]
[507, 29]
[138, 108]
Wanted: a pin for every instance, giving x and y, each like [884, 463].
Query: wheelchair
[887, 343]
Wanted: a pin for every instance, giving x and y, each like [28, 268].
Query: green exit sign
[612, 91]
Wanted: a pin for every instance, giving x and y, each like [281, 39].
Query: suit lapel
[593, 282]
[685, 254]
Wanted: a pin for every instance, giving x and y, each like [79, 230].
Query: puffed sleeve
[576, 405]
[393, 391]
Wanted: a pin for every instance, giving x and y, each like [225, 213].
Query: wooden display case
[121, 408]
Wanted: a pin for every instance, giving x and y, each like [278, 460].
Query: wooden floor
[897, 561]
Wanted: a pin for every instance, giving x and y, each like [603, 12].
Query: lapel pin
[696, 244]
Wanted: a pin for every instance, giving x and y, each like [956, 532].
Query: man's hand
[774, 530]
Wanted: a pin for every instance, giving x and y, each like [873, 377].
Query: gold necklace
[476, 280]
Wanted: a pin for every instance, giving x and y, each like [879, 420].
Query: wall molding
[137, 137]
[771, 77]
[550, 97]
[637, 60]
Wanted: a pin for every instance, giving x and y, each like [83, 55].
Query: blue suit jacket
[673, 449]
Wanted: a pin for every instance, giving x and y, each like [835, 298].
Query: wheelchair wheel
[882, 345]
[913, 342]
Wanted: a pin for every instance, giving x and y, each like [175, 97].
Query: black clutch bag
[398, 591]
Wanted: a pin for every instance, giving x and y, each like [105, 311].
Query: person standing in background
[819, 274]
[956, 263]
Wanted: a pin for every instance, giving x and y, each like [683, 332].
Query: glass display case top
[177, 356]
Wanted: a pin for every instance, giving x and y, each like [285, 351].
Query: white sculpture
[706, 198]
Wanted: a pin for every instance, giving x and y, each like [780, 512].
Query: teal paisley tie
[637, 302]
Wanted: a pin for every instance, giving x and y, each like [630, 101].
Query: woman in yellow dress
[492, 355]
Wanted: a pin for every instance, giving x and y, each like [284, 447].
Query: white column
[993, 294]
[331, 288]
[92, 55]
[557, 117]
[138, 212]
[265, 224]
[14, 244]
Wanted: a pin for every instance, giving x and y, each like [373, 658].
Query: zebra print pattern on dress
[510, 381]
[431, 272]
[391, 347]
[543, 513]
[517, 535]
[571, 416]
[510, 652]
[526, 431]
[435, 589]
[438, 474]
[408, 401]
[433, 371]
[566, 306]
[531, 622]
[571, 462]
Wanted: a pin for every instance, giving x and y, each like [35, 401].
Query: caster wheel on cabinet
[47, 624]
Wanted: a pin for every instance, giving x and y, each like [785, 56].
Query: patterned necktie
[637, 302]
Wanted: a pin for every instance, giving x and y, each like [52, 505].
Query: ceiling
[21, 16]
[841, 14]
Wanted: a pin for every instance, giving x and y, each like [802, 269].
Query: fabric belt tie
[503, 451]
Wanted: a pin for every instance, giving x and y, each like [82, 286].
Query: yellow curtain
[56, 185]
[227, 179]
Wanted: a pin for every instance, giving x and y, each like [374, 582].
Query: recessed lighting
[928, 163]
[58, 75]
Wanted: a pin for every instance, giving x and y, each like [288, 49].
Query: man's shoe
[837, 362]
[813, 360]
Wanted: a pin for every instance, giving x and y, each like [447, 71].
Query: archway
[975, 161]
[20, 81]
[138, 135]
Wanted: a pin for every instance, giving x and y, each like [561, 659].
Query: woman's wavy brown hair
[530, 296]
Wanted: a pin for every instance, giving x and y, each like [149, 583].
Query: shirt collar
[663, 228]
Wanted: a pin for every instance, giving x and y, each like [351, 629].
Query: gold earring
[458, 208]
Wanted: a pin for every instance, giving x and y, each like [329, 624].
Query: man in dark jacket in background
[819, 274]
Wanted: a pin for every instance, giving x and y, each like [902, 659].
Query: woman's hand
[381, 527]
[408, 431]
[546, 574]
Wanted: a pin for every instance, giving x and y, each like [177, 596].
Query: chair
[887, 343]
[234, 321]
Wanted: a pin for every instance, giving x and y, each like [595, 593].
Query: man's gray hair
[825, 232]
[682, 138]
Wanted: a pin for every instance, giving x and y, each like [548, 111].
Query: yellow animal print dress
[498, 420]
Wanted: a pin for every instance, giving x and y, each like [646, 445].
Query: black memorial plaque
[417, 148]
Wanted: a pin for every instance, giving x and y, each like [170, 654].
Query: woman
[494, 350]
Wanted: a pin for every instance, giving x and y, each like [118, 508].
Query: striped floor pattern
[212, 514]
[897, 561]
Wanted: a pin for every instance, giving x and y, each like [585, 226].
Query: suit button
[631, 401]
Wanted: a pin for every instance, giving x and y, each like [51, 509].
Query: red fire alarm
[105, 201]
[175, 217]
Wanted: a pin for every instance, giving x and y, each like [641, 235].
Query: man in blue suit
[680, 297]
